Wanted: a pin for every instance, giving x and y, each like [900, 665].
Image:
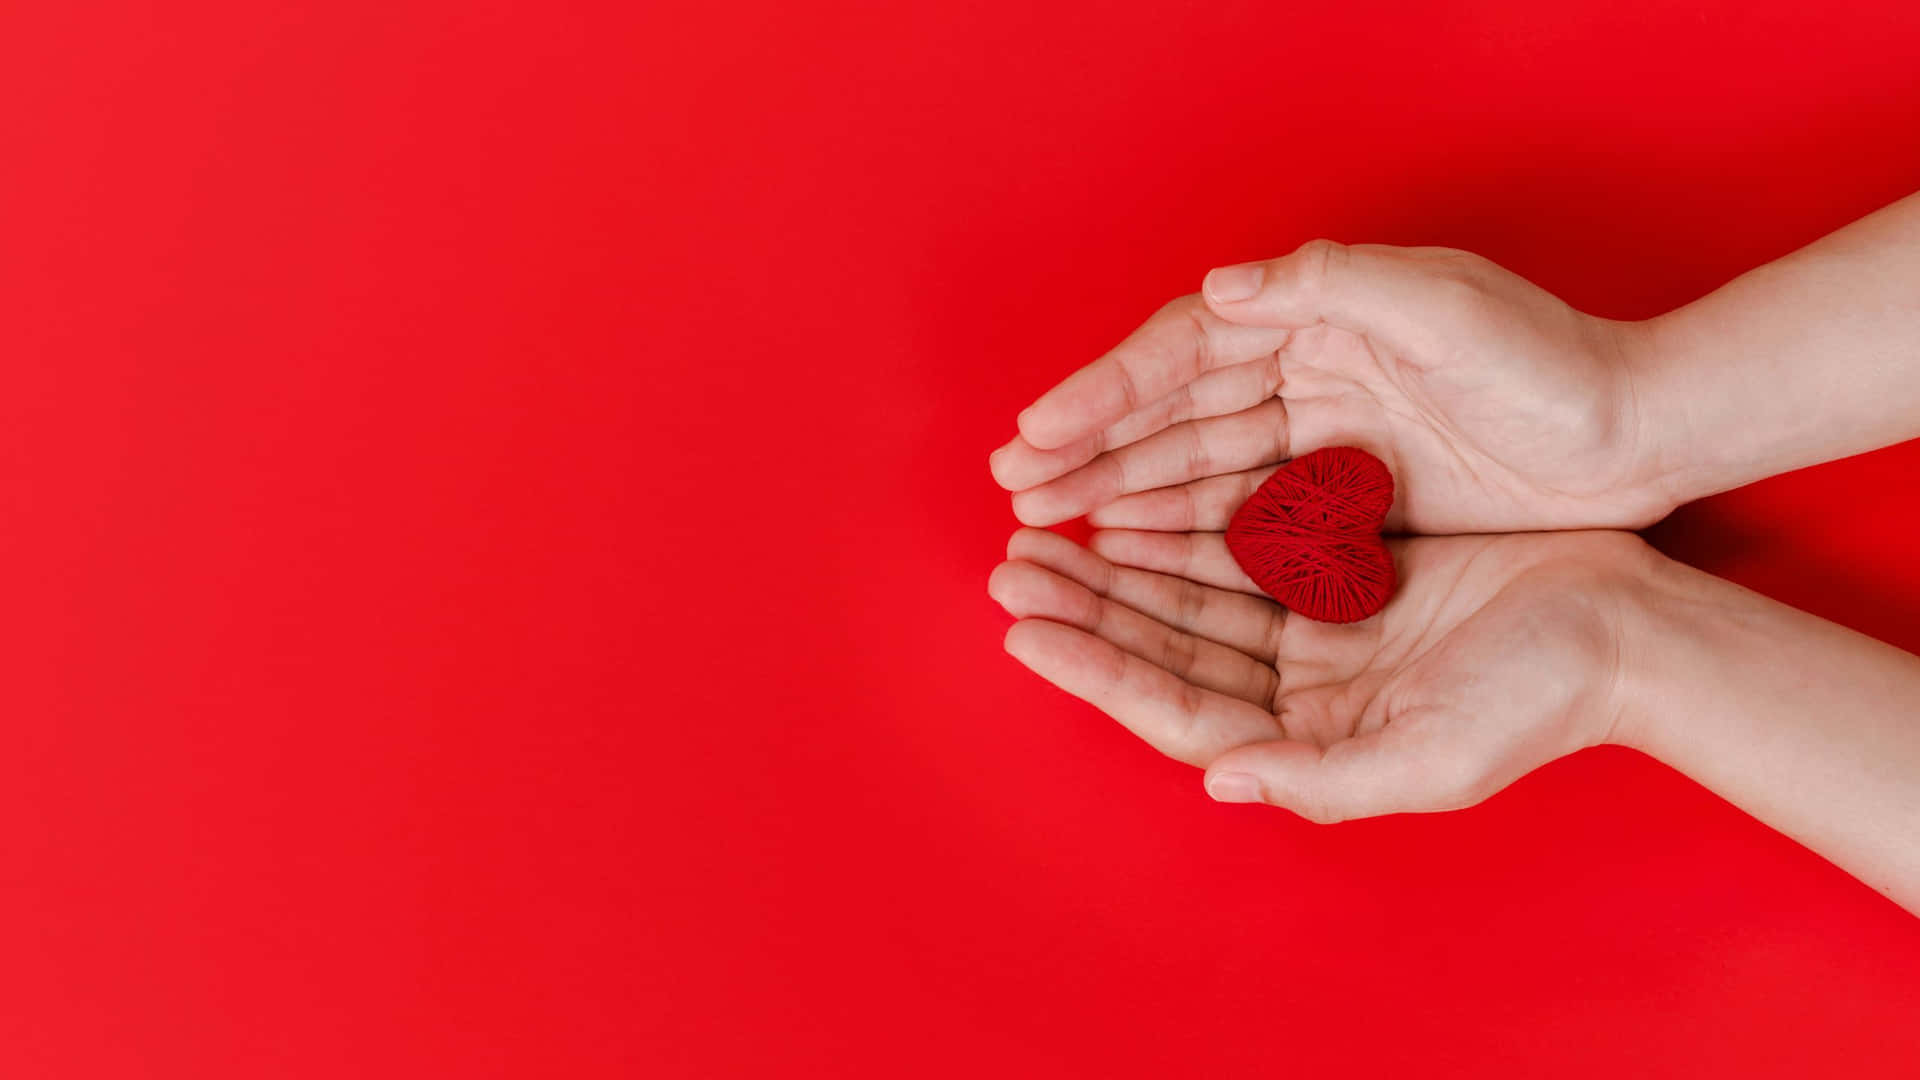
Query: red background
[498, 526]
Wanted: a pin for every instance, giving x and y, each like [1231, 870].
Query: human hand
[1497, 655]
[1496, 406]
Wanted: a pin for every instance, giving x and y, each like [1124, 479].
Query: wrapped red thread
[1310, 536]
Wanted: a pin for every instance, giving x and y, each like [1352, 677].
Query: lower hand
[1497, 655]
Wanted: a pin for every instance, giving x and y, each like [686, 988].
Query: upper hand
[1496, 406]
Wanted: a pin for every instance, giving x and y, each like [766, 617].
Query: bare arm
[1808, 726]
[1809, 358]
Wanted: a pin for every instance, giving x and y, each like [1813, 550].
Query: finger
[1308, 655]
[1201, 557]
[1020, 465]
[1372, 289]
[1028, 590]
[1183, 721]
[1246, 624]
[1197, 448]
[1176, 345]
[1400, 768]
[1197, 506]
[1208, 503]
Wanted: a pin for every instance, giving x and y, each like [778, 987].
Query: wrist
[1665, 463]
[1671, 617]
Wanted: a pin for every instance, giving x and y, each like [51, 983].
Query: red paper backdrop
[498, 525]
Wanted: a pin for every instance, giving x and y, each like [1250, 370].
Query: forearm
[1808, 726]
[1809, 358]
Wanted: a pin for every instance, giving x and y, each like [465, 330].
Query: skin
[1499, 409]
[1499, 654]
[1496, 406]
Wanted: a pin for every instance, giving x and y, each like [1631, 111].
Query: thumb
[1368, 288]
[1389, 771]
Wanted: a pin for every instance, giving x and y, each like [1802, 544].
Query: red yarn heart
[1310, 536]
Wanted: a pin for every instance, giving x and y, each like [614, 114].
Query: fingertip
[1122, 547]
[1042, 429]
[1000, 463]
[1029, 589]
[1293, 776]
[1228, 285]
[1000, 583]
[1030, 509]
[1144, 511]
[1234, 787]
[1027, 422]
[1021, 639]
[1026, 540]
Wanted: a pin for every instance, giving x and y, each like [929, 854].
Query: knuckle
[1094, 611]
[1180, 403]
[1129, 388]
[1118, 482]
[1270, 697]
[1277, 637]
[1190, 602]
[1199, 454]
[1459, 289]
[1177, 654]
[1464, 264]
[1279, 430]
[1271, 374]
[1109, 573]
[1202, 333]
[1315, 263]
[1181, 307]
[1188, 741]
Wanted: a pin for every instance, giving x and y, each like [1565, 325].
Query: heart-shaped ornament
[1310, 536]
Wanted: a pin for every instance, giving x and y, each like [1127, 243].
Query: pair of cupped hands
[1510, 422]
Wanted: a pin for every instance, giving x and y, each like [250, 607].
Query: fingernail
[1234, 787]
[1227, 284]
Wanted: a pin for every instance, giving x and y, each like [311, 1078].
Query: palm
[1504, 435]
[1479, 669]
[1496, 406]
